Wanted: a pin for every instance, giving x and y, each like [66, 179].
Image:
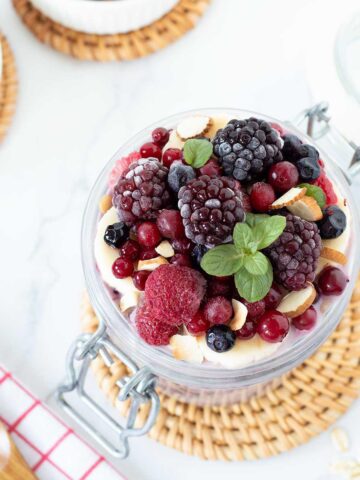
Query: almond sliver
[306, 208]
[290, 197]
[151, 264]
[192, 127]
[295, 303]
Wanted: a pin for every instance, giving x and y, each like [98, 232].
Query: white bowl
[104, 16]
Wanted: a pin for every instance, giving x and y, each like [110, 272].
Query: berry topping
[160, 136]
[148, 234]
[332, 281]
[116, 234]
[309, 169]
[170, 224]
[174, 293]
[218, 310]
[306, 321]
[262, 196]
[220, 338]
[325, 183]
[182, 245]
[141, 191]
[255, 309]
[130, 250]
[180, 175]
[248, 330]
[171, 155]
[273, 326]
[210, 208]
[122, 268]
[294, 255]
[150, 150]
[211, 168]
[151, 329]
[181, 259]
[246, 148]
[139, 279]
[283, 176]
[273, 298]
[198, 324]
[333, 222]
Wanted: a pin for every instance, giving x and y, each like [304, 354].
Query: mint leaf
[268, 230]
[253, 287]
[256, 264]
[197, 152]
[315, 192]
[242, 236]
[222, 260]
[253, 219]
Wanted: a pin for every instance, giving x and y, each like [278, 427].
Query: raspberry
[210, 207]
[218, 310]
[151, 329]
[120, 166]
[325, 183]
[174, 293]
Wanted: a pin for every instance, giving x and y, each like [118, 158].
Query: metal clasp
[138, 387]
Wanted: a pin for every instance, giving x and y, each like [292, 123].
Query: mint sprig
[197, 152]
[316, 192]
[252, 269]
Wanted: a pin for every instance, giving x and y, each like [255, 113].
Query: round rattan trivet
[126, 46]
[8, 87]
[308, 400]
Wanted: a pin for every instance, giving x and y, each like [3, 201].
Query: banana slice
[174, 141]
[186, 347]
[217, 122]
[193, 127]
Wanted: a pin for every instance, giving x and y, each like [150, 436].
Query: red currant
[198, 324]
[171, 155]
[262, 196]
[305, 321]
[248, 330]
[283, 176]
[139, 279]
[130, 250]
[122, 268]
[150, 150]
[273, 326]
[332, 281]
[218, 310]
[160, 136]
[148, 234]
[273, 297]
[170, 224]
[255, 309]
[181, 260]
[148, 253]
[210, 168]
[182, 245]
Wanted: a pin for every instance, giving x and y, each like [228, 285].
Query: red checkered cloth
[50, 448]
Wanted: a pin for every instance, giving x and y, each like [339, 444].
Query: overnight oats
[223, 239]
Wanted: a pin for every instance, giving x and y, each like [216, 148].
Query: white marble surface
[71, 116]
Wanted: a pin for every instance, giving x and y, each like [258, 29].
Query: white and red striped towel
[51, 448]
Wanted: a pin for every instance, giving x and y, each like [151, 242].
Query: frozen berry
[273, 297]
[308, 151]
[218, 310]
[150, 150]
[197, 253]
[262, 195]
[152, 329]
[148, 234]
[180, 175]
[248, 330]
[273, 326]
[218, 287]
[278, 128]
[130, 250]
[174, 293]
[220, 338]
[171, 155]
[116, 234]
[255, 309]
[148, 253]
[325, 183]
[120, 166]
[309, 169]
[332, 281]
[333, 223]
[181, 259]
[182, 245]
[306, 321]
[210, 168]
[160, 136]
[170, 224]
[122, 268]
[198, 324]
[291, 147]
[283, 176]
[139, 279]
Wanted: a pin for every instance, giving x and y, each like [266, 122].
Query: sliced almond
[105, 203]
[295, 303]
[217, 122]
[334, 255]
[192, 127]
[240, 314]
[290, 197]
[165, 249]
[174, 141]
[186, 347]
[129, 300]
[306, 208]
[152, 263]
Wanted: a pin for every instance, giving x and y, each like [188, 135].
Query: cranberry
[283, 176]
[198, 324]
[150, 150]
[248, 330]
[273, 326]
[218, 310]
[148, 234]
[273, 297]
[170, 224]
[160, 136]
[170, 155]
[218, 287]
[305, 321]
[122, 268]
[139, 279]
[255, 309]
[262, 196]
[148, 253]
[182, 245]
[210, 168]
[181, 260]
[130, 250]
[332, 281]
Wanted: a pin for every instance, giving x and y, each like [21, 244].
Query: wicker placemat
[125, 46]
[308, 400]
[8, 87]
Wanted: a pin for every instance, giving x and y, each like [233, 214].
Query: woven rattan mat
[8, 88]
[308, 400]
[126, 46]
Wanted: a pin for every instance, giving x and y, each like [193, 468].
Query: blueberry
[333, 222]
[116, 234]
[220, 338]
[309, 169]
[291, 147]
[308, 151]
[198, 252]
[180, 175]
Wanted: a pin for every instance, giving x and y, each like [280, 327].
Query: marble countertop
[71, 116]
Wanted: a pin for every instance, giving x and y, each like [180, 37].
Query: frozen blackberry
[210, 207]
[141, 191]
[179, 175]
[294, 255]
[247, 148]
